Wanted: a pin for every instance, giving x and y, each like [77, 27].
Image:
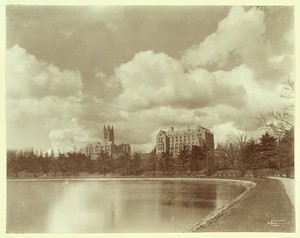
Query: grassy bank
[266, 208]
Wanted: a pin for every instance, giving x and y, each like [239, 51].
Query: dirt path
[289, 185]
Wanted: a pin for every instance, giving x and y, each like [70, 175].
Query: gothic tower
[109, 134]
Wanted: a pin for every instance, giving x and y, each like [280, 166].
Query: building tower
[109, 134]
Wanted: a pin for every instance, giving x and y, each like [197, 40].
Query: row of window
[180, 137]
[183, 143]
[97, 150]
[176, 144]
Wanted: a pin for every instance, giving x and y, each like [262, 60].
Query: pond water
[112, 206]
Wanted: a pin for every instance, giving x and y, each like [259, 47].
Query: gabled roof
[161, 131]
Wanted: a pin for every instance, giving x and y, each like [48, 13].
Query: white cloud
[219, 84]
[28, 77]
[221, 131]
[151, 79]
[258, 95]
[239, 33]
[73, 134]
[45, 119]
[147, 80]
[41, 98]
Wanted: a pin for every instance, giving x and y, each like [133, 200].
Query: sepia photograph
[149, 119]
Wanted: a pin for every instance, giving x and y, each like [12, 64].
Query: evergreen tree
[14, 163]
[136, 162]
[62, 163]
[122, 163]
[252, 161]
[183, 157]
[266, 151]
[251, 150]
[153, 161]
[103, 163]
[285, 152]
[196, 157]
[166, 163]
[45, 162]
[53, 164]
[32, 163]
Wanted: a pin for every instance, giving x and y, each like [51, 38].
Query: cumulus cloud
[41, 98]
[28, 77]
[218, 83]
[241, 32]
[257, 93]
[151, 79]
[68, 136]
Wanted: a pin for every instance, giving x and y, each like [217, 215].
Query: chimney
[188, 128]
[172, 128]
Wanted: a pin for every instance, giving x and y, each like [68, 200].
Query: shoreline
[232, 181]
[249, 185]
[267, 208]
[262, 204]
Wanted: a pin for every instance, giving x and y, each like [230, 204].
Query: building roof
[101, 143]
[188, 131]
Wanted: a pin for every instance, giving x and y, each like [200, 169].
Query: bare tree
[288, 91]
[279, 122]
[228, 153]
[239, 141]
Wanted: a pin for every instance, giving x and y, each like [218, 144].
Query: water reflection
[112, 206]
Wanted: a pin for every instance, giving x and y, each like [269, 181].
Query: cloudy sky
[72, 70]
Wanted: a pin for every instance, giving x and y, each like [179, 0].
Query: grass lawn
[266, 208]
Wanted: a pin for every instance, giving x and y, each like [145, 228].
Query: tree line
[71, 164]
[266, 156]
[239, 154]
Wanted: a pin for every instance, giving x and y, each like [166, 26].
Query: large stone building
[173, 141]
[107, 145]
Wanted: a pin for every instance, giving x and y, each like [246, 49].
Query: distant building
[93, 150]
[109, 134]
[126, 148]
[173, 141]
[107, 145]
